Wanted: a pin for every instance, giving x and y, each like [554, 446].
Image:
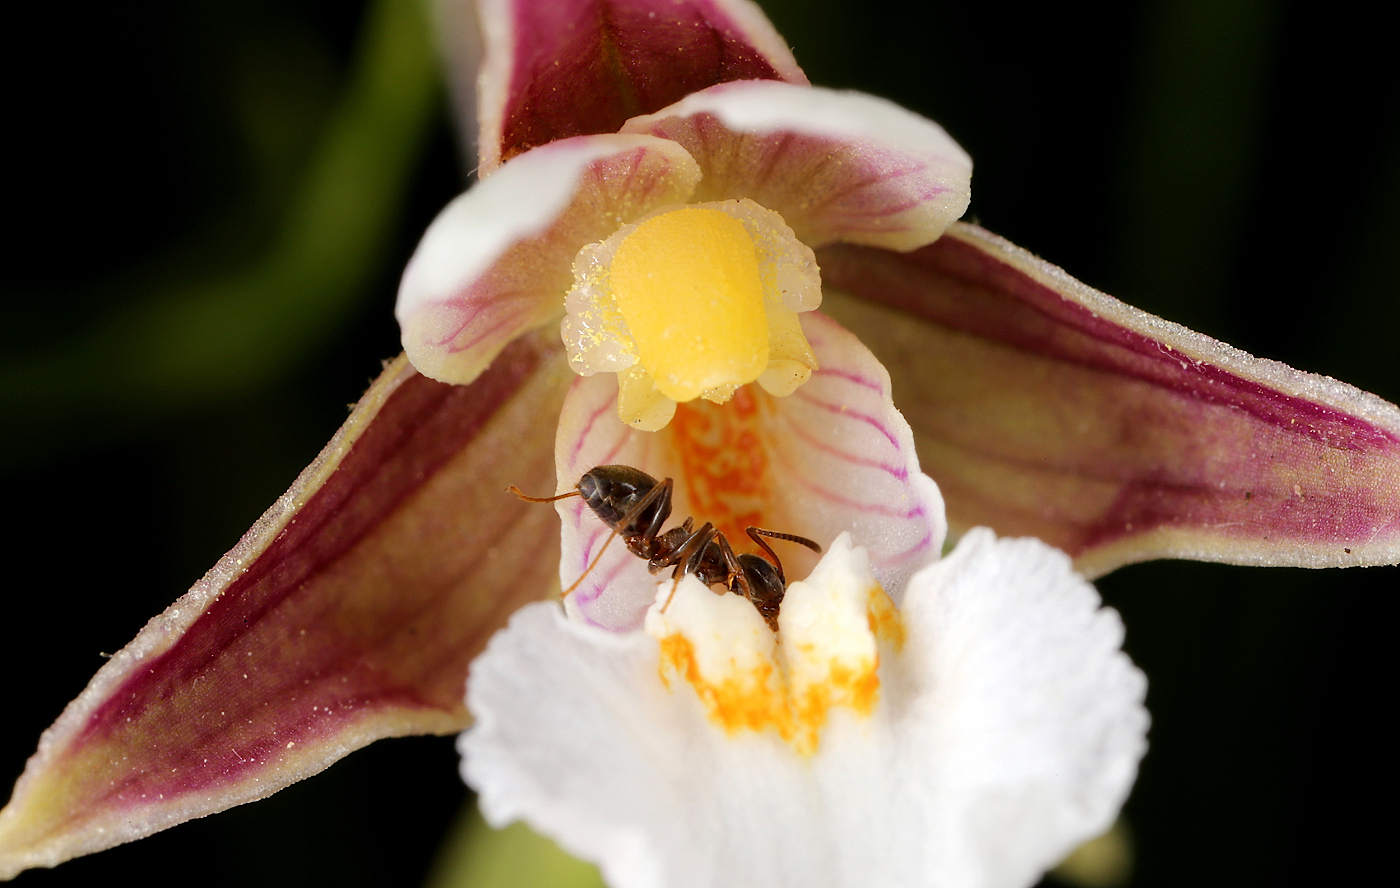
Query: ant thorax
[692, 302]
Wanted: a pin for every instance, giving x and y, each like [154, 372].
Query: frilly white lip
[1008, 730]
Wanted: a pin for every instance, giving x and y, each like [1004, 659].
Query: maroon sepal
[348, 613]
[1043, 407]
[581, 67]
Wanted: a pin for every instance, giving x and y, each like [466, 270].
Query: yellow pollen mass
[741, 699]
[687, 284]
[824, 658]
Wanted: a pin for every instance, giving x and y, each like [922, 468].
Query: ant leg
[772, 556]
[541, 499]
[675, 584]
[736, 570]
[661, 495]
[687, 557]
[549, 499]
[592, 564]
[693, 551]
[757, 534]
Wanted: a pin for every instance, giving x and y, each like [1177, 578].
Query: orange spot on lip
[723, 461]
[885, 621]
[752, 701]
[761, 699]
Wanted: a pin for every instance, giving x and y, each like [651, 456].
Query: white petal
[1007, 732]
[498, 260]
[1046, 756]
[838, 166]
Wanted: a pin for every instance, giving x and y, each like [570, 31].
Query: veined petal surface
[838, 166]
[1008, 730]
[834, 456]
[347, 614]
[498, 260]
[1044, 407]
[578, 67]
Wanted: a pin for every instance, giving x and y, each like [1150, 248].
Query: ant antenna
[549, 499]
[757, 534]
[541, 499]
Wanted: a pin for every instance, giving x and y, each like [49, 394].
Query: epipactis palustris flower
[910, 721]
[632, 151]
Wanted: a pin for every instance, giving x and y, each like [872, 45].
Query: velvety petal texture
[838, 166]
[1008, 729]
[579, 67]
[498, 260]
[834, 456]
[1044, 407]
[347, 614]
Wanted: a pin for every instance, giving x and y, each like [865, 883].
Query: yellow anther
[692, 302]
[687, 283]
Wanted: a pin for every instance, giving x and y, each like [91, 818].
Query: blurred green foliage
[477, 856]
[237, 310]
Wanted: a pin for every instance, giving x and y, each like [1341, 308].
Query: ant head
[766, 586]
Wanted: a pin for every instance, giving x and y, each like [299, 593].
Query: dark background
[1230, 164]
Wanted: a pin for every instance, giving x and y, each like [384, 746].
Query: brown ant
[635, 505]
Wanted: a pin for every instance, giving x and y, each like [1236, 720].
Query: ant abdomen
[766, 586]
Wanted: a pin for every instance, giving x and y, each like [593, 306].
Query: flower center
[693, 302]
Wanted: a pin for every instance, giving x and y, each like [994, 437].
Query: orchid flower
[1039, 407]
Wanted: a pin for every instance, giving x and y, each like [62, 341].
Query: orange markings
[752, 701]
[796, 707]
[885, 622]
[723, 461]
